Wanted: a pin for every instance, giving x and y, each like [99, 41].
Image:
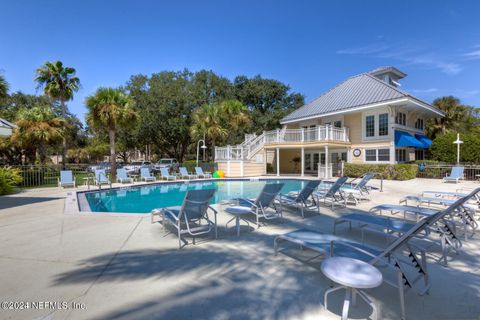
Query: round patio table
[238, 212]
[351, 274]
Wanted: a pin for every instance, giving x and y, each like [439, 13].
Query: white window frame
[423, 124]
[376, 137]
[406, 155]
[388, 124]
[376, 155]
[396, 117]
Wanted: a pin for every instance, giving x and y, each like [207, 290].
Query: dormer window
[401, 118]
[419, 124]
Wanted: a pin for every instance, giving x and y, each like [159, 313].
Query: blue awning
[405, 139]
[424, 140]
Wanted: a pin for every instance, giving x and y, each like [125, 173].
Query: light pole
[458, 142]
[198, 147]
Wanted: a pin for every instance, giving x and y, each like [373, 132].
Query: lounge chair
[101, 177]
[334, 193]
[200, 173]
[184, 173]
[455, 175]
[191, 217]
[66, 179]
[467, 216]
[166, 175]
[391, 257]
[361, 186]
[302, 198]
[396, 208]
[146, 175]
[122, 176]
[259, 207]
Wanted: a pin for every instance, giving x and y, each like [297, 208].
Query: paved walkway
[111, 267]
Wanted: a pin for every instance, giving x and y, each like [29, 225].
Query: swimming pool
[143, 198]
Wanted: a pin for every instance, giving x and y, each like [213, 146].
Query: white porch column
[278, 162]
[302, 163]
[392, 153]
[326, 162]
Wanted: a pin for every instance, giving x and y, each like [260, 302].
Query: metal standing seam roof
[356, 91]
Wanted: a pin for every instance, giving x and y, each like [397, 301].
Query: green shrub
[9, 179]
[388, 171]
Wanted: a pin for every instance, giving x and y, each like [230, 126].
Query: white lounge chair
[101, 177]
[184, 173]
[122, 176]
[66, 179]
[455, 175]
[146, 175]
[166, 175]
[200, 173]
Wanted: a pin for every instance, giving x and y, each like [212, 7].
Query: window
[383, 154]
[383, 124]
[337, 124]
[374, 155]
[370, 126]
[419, 154]
[401, 118]
[419, 124]
[371, 155]
[401, 155]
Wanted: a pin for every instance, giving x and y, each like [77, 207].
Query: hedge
[388, 171]
[9, 179]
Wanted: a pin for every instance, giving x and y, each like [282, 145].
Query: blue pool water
[142, 199]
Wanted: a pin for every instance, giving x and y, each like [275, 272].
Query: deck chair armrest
[213, 209]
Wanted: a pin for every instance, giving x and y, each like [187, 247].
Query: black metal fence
[48, 175]
[438, 171]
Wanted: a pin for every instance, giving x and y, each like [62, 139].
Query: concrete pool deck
[123, 267]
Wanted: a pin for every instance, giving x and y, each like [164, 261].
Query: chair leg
[346, 304]
[325, 296]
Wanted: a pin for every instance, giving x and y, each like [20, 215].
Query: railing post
[319, 133]
[326, 131]
[229, 152]
[303, 135]
[278, 135]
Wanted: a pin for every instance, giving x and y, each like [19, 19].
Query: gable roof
[360, 90]
[6, 124]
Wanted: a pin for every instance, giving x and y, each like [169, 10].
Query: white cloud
[473, 54]
[406, 54]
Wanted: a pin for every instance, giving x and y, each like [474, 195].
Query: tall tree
[220, 122]
[38, 128]
[268, 100]
[110, 109]
[3, 87]
[59, 83]
[456, 116]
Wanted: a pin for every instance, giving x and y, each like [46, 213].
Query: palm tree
[59, 83]
[236, 114]
[3, 87]
[38, 128]
[110, 109]
[208, 122]
[454, 113]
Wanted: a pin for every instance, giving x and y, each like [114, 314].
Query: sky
[309, 45]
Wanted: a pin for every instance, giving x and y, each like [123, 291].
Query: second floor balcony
[318, 134]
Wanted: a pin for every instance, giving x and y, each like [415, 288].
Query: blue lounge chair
[146, 176]
[122, 176]
[66, 179]
[259, 207]
[455, 175]
[101, 177]
[334, 193]
[391, 257]
[200, 173]
[166, 175]
[184, 173]
[396, 208]
[192, 216]
[302, 199]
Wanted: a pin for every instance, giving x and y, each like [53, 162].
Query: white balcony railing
[253, 143]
